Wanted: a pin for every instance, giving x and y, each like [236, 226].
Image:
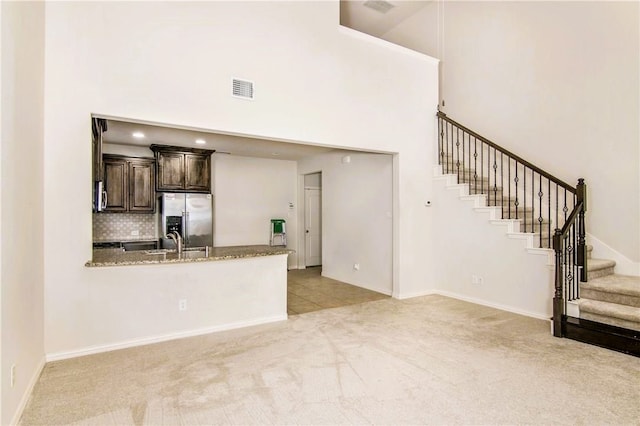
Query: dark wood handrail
[518, 159]
[571, 219]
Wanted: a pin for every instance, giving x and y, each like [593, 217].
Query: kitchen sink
[189, 253]
[140, 245]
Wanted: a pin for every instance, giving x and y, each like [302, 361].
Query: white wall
[21, 201]
[248, 193]
[357, 227]
[557, 83]
[172, 63]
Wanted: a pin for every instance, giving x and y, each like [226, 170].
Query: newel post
[581, 194]
[558, 310]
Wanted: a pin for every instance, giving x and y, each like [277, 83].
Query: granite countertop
[118, 257]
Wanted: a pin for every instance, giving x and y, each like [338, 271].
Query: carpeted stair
[609, 298]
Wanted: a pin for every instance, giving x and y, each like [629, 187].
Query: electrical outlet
[13, 375]
[182, 304]
[356, 266]
[475, 279]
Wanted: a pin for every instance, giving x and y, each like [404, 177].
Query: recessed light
[138, 135]
[201, 141]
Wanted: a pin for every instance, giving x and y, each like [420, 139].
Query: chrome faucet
[177, 239]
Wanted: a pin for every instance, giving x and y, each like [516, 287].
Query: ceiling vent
[242, 89]
[379, 5]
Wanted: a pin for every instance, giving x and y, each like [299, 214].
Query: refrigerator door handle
[184, 227]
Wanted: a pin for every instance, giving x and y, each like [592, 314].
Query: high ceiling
[377, 17]
[121, 132]
[374, 17]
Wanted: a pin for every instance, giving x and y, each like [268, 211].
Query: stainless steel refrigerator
[190, 214]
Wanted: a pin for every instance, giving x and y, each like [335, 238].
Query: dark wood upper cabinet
[170, 171]
[116, 184]
[183, 169]
[142, 193]
[130, 184]
[197, 173]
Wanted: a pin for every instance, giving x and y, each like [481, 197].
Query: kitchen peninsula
[119, 257]
[166, 296]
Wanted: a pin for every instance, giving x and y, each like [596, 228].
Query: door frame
[307, 191]
[302, 246]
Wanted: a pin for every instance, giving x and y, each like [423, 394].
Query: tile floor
[308, 291]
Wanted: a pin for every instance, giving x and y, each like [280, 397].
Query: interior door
[313, 226]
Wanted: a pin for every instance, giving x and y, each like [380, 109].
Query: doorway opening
[313, 219]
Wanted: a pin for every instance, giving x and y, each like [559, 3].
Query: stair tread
[598, 264]
[621, 284]
[608, 309]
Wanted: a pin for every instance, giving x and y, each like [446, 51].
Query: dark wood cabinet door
[142, 193]
[170, 171]
[115, 184]
[197, 172]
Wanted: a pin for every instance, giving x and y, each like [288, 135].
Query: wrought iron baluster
[524, 196]
[465, 178]
[440, 147]
[469, 156]
[533, 204]
[557, 206]
[540, 219]
[482, 168]
[549, 210]
[573, 262]
[475, 165]
[495, 179]
[502, 181]
[445, 143]
[453, 150]
[458, 153]
[569, 264]
[509, 182]
[516, 179]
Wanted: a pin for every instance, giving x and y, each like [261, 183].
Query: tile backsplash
[123, 226]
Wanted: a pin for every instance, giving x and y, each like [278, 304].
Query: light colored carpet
[428, 360]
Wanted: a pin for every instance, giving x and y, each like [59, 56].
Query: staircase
[524, 219]
[592, 304]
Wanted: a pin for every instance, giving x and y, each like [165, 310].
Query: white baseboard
[507, 308]
[27, 392]
[162, 338]
[402, 296]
